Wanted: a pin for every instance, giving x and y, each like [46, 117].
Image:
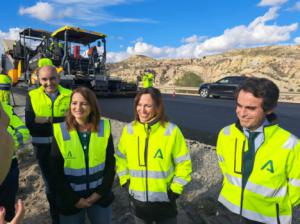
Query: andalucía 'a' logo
[269, 166]
[69, 155]
[158, 154]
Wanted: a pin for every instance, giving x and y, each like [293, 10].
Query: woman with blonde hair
[82, 162]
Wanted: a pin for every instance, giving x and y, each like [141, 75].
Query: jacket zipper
[146, 160]
[277, 213]
[243, 187]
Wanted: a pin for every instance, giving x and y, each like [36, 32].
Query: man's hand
[93, 198]
[83, 203]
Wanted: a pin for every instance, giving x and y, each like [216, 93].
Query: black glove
[172, 196]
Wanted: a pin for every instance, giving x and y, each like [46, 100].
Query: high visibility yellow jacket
[83, 173]
[16, 127]
[148, 80]
[5, 86]
[273, 187]
[155, 160]
[45, 109]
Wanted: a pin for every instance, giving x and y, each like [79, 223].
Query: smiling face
[80, 108]
[49, 79]
[146, 108]
[249, 110]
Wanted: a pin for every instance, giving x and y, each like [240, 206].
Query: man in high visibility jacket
[5, 88]
[44, 106]
[259, 160]
[148, 80]
[9, 188]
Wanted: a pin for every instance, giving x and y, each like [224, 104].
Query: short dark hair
[261, 88]
[157, 98]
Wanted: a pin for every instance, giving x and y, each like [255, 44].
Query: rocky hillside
[279, 63]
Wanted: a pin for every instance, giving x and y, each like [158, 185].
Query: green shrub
[190, 79]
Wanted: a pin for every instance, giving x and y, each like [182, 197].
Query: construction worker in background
[9, 188]
[46, 105]
[259, 160]
[5, 88]
[153, 161]
[148, 79]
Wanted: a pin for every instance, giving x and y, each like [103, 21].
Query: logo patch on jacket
[70, 156]
[269, 166]
[158, 154]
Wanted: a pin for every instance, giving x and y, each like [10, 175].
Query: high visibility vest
[5, 86]
[43, 107]
[83, 173]
[273, 187]
[148, 80]
[16, 127]
[155, 159]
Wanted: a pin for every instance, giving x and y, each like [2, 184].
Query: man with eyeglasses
[259, 160]
[46, 105]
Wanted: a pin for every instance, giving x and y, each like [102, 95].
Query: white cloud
[296, 7]
[257, 33]
[193, 39]
[42, 10]
[272, 2]
[12, 34]
[79, 12]
[297, 40]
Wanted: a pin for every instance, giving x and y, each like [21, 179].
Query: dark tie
[248, 158]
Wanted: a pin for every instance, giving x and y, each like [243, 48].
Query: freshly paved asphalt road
[199, 119]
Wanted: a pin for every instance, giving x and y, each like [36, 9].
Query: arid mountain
[279, 63]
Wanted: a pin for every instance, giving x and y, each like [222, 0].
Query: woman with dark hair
[82, 162]
[153, 161]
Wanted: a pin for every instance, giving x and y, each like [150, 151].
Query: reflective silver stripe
[180, 180]
[266, 191]
[255, 216]
[220, 158]
[82, 172]
[258, 189]
[130, 128]
[151, 174]
[5, 86]
[120, 154]
[295, 182]
[234, 180]
[83, 187]
[169, 129]
[20, 138]
[180, 159]
[226, 130]
[64, 131]
[291, 142]
[152, 196]
[123, 173]
[101, 128]
[41, 140]
[21, 127]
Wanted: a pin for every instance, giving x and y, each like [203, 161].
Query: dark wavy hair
[94, 116]
[158, 104]
[261, 88]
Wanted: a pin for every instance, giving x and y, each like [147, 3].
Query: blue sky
[163, 28]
